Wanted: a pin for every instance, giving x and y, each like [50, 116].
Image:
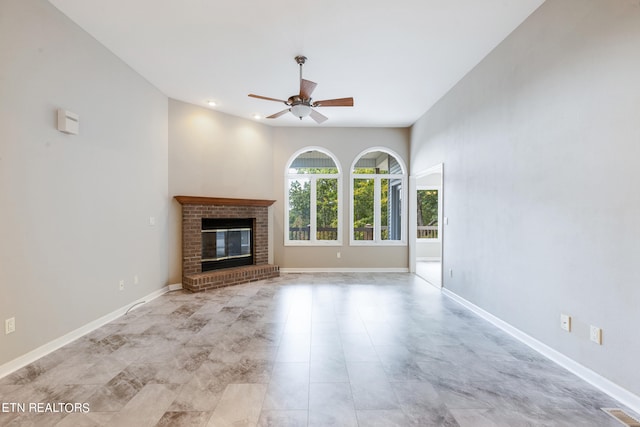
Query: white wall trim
[344, 270]
[428, 258]
[51, 346]
[607, 386]
[174, 287]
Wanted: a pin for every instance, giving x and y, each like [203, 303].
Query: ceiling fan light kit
[300, 110]
[302, 105]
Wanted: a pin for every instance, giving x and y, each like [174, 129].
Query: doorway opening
[427, 253]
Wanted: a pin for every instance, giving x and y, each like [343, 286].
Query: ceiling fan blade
[319, 118]
[339, 102]
[276, 115]
[267, 98]
[306, 88]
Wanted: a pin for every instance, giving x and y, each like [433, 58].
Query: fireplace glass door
[223, 244]
[226, 243]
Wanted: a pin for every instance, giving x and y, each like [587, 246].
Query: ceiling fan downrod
[300, 59]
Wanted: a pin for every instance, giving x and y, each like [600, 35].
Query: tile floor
[431, 271]
[303, 350]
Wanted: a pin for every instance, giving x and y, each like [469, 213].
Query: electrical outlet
[136, 280]
[338, 255]
[451, 272]
[122, 285]
[565, 322]
[10, 325]
[152, 221]
[595, 335]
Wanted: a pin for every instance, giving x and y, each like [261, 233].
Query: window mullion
[287, 235]
[313, 214]
[377, 190]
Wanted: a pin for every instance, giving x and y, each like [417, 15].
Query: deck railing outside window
[359, 233]
[428, 232]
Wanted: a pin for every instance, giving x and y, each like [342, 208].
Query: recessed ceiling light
[257, 116]
[211, 103]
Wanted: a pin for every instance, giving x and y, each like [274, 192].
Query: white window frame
[377, 227]
[313, 241]
[439, 190]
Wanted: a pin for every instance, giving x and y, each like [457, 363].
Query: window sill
[383, 244]
[313, 244]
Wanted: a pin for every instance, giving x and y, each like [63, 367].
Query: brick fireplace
[195, 212]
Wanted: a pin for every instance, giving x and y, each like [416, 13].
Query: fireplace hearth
[224, 241]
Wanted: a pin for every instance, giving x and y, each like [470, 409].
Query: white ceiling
[396, 58]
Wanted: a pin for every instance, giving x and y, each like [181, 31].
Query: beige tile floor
[431, 271]
[303, 350]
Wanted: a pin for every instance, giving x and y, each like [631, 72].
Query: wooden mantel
[222, 201]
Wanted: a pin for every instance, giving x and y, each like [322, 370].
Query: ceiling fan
[302, 105]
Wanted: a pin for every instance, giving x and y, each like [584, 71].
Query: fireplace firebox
[227, 242]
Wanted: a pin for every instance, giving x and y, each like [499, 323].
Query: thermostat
[68, 122]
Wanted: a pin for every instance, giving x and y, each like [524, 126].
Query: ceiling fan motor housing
[295, 99]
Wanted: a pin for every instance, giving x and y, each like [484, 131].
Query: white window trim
[376, 202]
[313, 241]
[439, 189]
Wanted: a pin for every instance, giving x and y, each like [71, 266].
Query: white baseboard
[51, 346]
[344, 270]
[175, 287]
[607, 386]
[428, 258]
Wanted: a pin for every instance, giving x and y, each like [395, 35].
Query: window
[378, 189]
[428, 202]
[313, 194]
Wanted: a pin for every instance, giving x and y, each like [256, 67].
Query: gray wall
[214, 155]
[345, 144]
[540, 144]
[74, 210]
[217, 155]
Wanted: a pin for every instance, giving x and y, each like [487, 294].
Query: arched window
[313, 194]
[378, 195]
